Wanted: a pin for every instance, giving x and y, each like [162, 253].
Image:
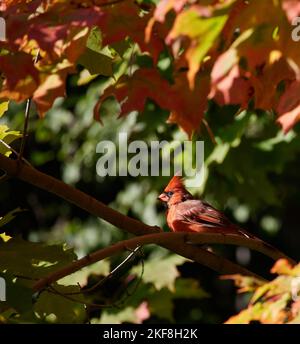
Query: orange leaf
[187, 107]
[191, 104]
[17, 66]
[289, 107]
[124, 20]
[282, 267]
[265, 83]
[52, 87]
[232, 89]
[292, 8]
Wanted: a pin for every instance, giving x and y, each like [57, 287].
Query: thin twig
[14, 151]
[110, 275]
[138, 283]
[210, 133]
[52, 289]
[115, 270]
[26, 120]
[25, 128]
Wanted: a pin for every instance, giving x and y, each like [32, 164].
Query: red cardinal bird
[186, 214]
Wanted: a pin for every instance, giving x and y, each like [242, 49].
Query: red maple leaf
[186, 106]
[289, 106]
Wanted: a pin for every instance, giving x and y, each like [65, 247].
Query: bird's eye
[169, 193]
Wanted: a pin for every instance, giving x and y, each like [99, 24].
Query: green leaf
[56, 308]
[188, 288]
[94, 41]
[230, 133]
[128, 314]
[121, 47]
[85, 77]
[161, 272]
[161, 304]
[18, 295]
[100, 268]
[269, 144]
[33, 260]
[202, 32]
[7, 137]
[96, 63]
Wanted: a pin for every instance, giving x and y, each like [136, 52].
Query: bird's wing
[196, 211]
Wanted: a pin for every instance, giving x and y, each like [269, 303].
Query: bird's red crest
[175, 183]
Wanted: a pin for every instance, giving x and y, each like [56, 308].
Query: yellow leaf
[3, 107]
[5, 237]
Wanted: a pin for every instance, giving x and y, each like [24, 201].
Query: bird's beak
[163, 197]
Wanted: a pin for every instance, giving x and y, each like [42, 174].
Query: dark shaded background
[256, 183]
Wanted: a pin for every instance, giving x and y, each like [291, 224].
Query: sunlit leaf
[3, 107]
[162, 272]
[9, 216]
[202, 32]
[8, 137]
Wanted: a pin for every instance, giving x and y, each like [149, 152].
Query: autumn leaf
[265, 84]
[292, 8]
[289, 107]
[272, 302]
[67, 36]
[186, 106]
[190, 104]
[52, 87]
[125, 20]
[282, 267]
[19, 81]
[202, 32]
[233, 89]
[164, 6]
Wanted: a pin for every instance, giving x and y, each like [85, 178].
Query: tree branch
[160, 239]
[94, 207]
